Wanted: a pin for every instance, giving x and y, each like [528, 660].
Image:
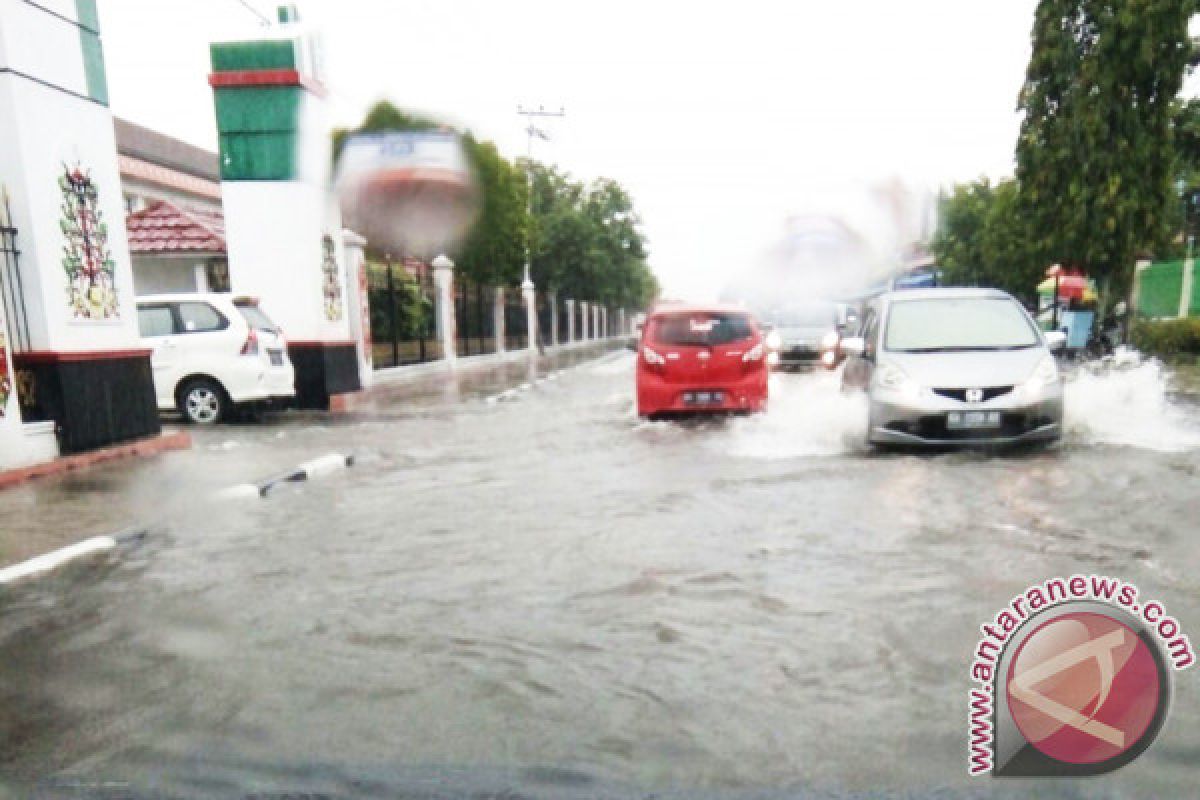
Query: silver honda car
[955, 366]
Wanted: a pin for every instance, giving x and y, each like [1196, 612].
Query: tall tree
[494, 252]
[983, 239]
[1094, 164]
[586, 240]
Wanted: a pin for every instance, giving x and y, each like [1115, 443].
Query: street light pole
[532, 130]
[527, 288]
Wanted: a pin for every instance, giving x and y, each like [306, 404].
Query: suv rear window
[201, 318]
[256, 318]
[156, 321]
[700, 328]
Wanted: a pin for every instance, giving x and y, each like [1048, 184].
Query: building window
[217, 274]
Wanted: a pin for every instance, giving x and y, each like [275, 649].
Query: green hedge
[1167, 338]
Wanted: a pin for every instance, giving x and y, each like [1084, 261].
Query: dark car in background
[805, 334]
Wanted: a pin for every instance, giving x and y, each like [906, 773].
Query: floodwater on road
[541, 594]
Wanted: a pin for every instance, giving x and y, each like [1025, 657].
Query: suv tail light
[250, 348]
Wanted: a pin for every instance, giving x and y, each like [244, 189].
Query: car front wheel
[203, 401]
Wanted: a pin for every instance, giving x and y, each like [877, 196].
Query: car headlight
[829, 340]
[893, 379]
[774, 340]
[1043, 375]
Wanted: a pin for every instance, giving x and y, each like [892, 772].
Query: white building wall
[167, 274]
[273, 232]
[47, 125]
[147, 193]
[38, 41]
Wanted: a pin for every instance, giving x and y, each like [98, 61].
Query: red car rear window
[700, 328]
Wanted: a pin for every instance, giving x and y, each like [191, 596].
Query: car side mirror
[854, 346]
[1055, 340]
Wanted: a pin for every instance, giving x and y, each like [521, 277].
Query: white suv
[212, 352]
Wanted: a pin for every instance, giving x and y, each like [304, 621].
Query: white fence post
[443, 280]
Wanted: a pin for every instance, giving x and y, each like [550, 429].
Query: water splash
[1124, 400]
[807, 415]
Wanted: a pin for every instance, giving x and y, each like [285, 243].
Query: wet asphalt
[534, 593]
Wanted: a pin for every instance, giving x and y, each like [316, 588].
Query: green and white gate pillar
[584, 316]
[72, 338]
[283, 226]
[570, 320]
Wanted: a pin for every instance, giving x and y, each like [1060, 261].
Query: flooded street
[538, 593]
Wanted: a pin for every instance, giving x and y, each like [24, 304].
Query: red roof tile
[162, 227]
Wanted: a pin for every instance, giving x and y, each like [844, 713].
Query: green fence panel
[1159, 286]
[1194, 309]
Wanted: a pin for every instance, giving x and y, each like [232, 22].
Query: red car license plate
[703, 398]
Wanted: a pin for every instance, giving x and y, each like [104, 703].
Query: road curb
[315, 467]
[153, 445]
[63, 555]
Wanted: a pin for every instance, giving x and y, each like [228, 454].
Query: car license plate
[970, 420]
[276, 357]
[703, 398]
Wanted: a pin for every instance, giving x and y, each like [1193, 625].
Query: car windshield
[701, 329]
[958, 323]
[256, 318]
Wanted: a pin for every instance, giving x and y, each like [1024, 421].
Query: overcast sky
[722, 119]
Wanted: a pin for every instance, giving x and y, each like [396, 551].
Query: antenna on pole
[263, 19]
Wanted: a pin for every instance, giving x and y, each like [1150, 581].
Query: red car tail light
[250, 348]
[754, 354]
[652, 357]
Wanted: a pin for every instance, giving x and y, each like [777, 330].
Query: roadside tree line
[1106, 155]
[586, 237]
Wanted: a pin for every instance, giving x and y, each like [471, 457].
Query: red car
[701, 358]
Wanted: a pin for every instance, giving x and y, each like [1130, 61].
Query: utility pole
[527, 288]
[263, 19]
[532, 131]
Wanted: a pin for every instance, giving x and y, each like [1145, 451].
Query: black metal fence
[563, 329]
[474, 318]
[404, 308]
[545, 318]
[515, 323]
[12, 293]
[403, 326]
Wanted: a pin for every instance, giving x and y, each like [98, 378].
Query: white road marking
[56, 558]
